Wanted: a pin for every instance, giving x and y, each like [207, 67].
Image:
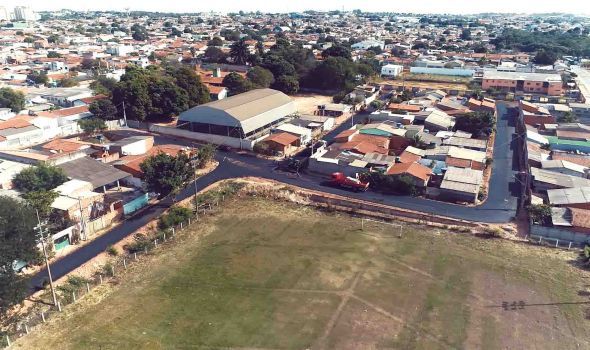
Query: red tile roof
[64, 112]
[414, 169]
[403, 107]
[282, 138]
[14, 123]
[407, 157]
[580, 218]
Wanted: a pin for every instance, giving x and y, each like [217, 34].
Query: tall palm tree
[239, 52]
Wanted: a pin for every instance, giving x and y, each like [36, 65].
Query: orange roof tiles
[282, 138]
[64, 145]
[414, 169]
[64, 112]
[89, 100]
[407, 157]
[580, 218]
[362, 147]
[14, 123]
[403, 107]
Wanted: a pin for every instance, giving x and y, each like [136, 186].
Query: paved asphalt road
[499, 207]
[583, 80]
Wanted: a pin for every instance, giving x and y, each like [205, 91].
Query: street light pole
[42, 239]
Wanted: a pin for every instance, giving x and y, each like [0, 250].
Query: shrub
[107, 269]
[492, 232]
[137, 246]
[174, 217]
[111, 250]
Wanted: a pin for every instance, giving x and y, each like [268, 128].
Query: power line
[40, 228]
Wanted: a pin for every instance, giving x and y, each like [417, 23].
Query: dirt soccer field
[267, 275]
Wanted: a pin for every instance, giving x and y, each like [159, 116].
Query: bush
[137, 246]
[107, 269]
[493, 232]
[175, 216]
[111, 250]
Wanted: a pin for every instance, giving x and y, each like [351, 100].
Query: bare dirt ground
[308, 103]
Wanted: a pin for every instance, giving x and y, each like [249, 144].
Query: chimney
[217, 72]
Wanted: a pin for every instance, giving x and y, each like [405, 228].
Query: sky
[581, 7]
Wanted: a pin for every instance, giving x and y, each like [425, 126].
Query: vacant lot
[308, 103]
[265, 275]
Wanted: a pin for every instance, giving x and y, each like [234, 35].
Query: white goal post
[401, 227]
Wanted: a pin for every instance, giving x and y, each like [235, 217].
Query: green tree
[567, 117]
[38, 78]
[164, 174]
[89, 63]
[337, 51]
[29, 40]
[103, 86]
[334, 73]
[239, 52]
[214, 54]
[260, 77]
[539, 213]
[375, 49]
[53, 54]
[187, 79]
[9, 98]
[17, 242]
[67, 82]
[480, 124]
[236, 84]
[216, 41]
[103, 109]
[545, 58]
[41, 200]
[92, 125]
[139, 33]
[287, 84]
[205, 155]
[466, 34]
[53, 38]
[42, 177]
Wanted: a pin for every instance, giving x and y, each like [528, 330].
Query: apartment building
[535, 83]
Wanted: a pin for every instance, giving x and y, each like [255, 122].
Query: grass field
[267, 275]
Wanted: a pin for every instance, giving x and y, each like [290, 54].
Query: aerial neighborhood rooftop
[117, 128]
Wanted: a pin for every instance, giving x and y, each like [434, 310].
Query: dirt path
[322, 341]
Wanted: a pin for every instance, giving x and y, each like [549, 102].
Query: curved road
[500, 206]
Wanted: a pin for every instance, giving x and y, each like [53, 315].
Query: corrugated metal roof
[250, 110]
[95, 172]
[459, 186]
[565, 196]
[558, 179]
[464, 175]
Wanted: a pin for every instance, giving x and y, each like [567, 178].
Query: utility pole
[124, 114]
[82, 223]
[41, 229]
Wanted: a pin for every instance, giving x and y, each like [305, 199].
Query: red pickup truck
[339, 179]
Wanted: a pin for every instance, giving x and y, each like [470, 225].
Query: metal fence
[76, 287]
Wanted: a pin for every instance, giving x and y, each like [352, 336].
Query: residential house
[282, 143]
[419, 174]
[461, 184]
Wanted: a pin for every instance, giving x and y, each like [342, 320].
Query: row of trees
[150, 93]
[288, 66]
[555, 42]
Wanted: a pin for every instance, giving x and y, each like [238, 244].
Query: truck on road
[340, 180]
